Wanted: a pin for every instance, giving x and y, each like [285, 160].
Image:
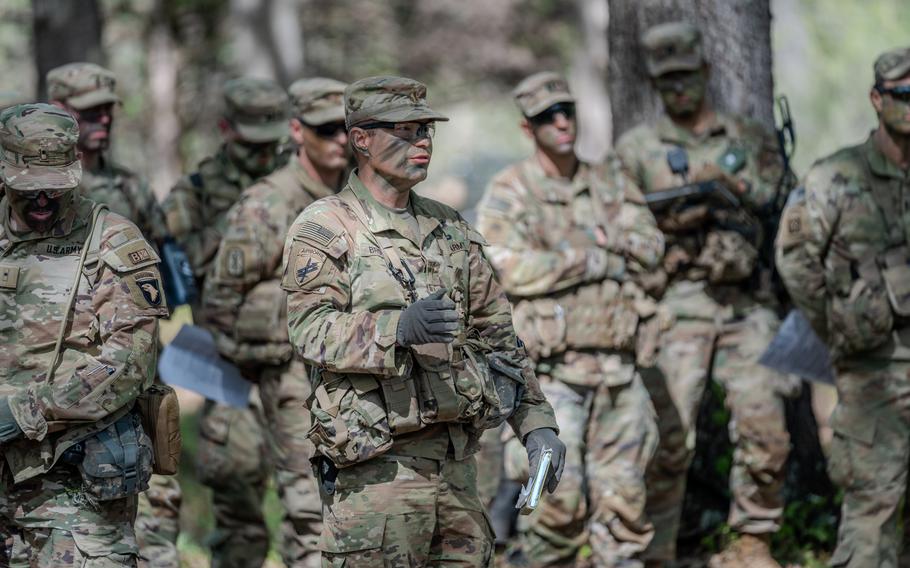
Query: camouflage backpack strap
[94, 242]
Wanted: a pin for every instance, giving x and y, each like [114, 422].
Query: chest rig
[356, 416]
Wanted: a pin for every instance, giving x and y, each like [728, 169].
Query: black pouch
[117, 461]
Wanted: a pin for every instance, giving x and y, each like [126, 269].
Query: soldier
[568, 239]
[82, 295]
[722, 325]
[88, 92]
[232, 449]
[393, 303]
[843, 250]
[244, 303]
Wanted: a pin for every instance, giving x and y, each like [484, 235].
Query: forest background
[172, 56]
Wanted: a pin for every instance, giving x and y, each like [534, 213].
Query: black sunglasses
[547, 116]
[901, 93]
[96, 113]
[327, 130]
[410, 131]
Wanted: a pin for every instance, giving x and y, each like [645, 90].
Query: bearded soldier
[393, 304]
[843, 250]
[244, 302]
[232, 454]
[81, 297]
[568, 240]
[711, 260]
[88, 92]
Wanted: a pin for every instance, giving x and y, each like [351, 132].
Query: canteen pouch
[859, 312]
[350, 423]
[160, 413]
[502, 392]
[541, 325]
[117, 461]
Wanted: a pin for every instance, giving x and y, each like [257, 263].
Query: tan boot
[748, 551]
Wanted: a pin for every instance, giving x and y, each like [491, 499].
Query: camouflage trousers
[727, 348]
[869, 460]
[48, 521]
[233, 462]
[240, 449]
[400, 511]
[610, 433]
[158, 523]
[284, 392]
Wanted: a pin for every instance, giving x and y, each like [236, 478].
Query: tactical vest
[871, 295]
[356, 417]
[596, 315]
[50, 282]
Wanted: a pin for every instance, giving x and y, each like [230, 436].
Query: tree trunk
[65, 31]
[163, 63]
[268, 41]
[737, 44]
[589, 68]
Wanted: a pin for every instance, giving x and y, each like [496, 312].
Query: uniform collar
[68, 222]
[669, 132]
[382, 218]
[556, 190]
[879, 164]
[313, 186]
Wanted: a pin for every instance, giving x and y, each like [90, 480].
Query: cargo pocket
[350, 423]
[852, 428]
[355, 542]
[104, 547]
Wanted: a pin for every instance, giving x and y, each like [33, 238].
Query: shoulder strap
[401, 272]
[94, 241]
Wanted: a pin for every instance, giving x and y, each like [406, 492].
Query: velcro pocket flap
[855, 424]
[341, 535]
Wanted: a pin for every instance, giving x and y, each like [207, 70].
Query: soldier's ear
[358, 139]
[296, 128]
[876, 98]
[525, 125]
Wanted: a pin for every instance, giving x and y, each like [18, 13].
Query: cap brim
[411, 114]
[35, 178]
[686, 63]
[262, 132]
[323, 116]
[546, 103]
[92, 99]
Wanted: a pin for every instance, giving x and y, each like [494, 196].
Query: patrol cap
[673, 46]
[257, 109]
[540, 91]
[387, 99]
[82, 85]
[38, 148]
[318, 100]
[892, 65]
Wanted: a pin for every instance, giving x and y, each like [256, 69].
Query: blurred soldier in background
[569, 240]
[81, 300]
[393, 303]
[843, 250]
[232, 448]
[722, 323]
[244, 303]
[88, 92]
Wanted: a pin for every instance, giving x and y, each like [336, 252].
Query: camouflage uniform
[232, 446]
[405, 492]
[81, 86]
[721, 326]
[541, 233]
[246, 306]
[843, 250]
[107, 358]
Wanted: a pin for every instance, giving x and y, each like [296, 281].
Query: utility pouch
[502, 392]
[160, 413]
[117, 461]
[436, 391]
[350, 422]
[861, 319]
[896, 275]
[541, 325]
[400, 394]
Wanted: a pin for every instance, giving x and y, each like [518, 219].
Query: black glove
[535, 442]
[9, 428]
[428, 320]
